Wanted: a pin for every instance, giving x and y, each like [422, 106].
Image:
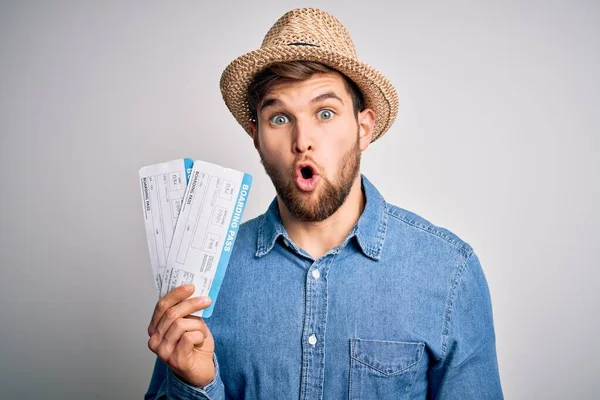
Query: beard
[333, 192]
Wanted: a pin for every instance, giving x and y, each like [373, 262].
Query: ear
[366, 125]
[252, 125]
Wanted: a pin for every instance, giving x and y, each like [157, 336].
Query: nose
[303, 140]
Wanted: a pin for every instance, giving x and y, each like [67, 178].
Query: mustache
[299, 159]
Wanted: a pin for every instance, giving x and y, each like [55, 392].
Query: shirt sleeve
[468, 368]
[166, 385]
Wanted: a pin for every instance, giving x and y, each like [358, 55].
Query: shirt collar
[370, 230]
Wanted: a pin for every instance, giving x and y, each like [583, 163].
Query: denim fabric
[400, 310]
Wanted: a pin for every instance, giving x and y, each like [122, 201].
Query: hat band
[302, 44]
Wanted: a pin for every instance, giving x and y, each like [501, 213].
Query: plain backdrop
[496, 140]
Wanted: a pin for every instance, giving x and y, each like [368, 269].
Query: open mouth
[307, 177]
[306, 172]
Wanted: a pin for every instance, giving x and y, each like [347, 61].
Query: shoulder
[252, 224]
[407, 225]
[249, 229]
[444, 253]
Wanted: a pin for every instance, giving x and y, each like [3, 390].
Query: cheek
[271, 140]
[339, 146]
[274, 153]
[343, 139]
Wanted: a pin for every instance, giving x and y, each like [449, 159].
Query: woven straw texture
[313, 35]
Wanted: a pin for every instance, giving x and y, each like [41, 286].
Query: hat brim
[378, 92]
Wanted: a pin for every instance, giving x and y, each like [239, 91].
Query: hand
[181, 340]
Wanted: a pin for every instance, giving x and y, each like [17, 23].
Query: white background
[496, 140]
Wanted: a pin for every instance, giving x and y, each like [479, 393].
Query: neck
[317, 238]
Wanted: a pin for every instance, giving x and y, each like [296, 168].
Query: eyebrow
[326, 96]
[269, 102]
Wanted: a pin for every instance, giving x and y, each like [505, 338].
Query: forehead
[306, 90]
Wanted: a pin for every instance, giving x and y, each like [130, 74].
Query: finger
[181, 326]
[168, 301]
[186, 344]
[203, 328]
[183, 309]
[177, 329]
[166, 347]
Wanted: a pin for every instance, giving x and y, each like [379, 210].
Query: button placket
[314, 329]
[316, 274]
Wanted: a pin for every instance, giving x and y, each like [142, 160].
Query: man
[332, 293]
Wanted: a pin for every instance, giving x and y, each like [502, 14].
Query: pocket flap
[387, 357]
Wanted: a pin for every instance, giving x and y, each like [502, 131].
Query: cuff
[179, 389]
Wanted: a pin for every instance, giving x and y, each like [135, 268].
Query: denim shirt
[400, 310]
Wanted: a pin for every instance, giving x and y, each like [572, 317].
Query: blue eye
[325, 114]
[279, 119]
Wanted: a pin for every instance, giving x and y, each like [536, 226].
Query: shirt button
[312, 340]
[316, 274]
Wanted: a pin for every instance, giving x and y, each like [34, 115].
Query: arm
[468, 368]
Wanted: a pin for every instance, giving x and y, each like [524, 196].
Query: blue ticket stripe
[188, 163]
[234, 225]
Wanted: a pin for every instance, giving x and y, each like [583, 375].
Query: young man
[332, 293]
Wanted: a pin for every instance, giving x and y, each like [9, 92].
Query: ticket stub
[163, 187]
[206, 230]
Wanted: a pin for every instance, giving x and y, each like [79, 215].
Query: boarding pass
[205, 231]
[163, 187]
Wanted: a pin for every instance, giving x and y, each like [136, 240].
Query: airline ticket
[209, 216]
[163, 187]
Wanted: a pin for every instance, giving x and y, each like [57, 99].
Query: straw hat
[313, 35]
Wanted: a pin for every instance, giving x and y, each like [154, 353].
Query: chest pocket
[383, 369]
